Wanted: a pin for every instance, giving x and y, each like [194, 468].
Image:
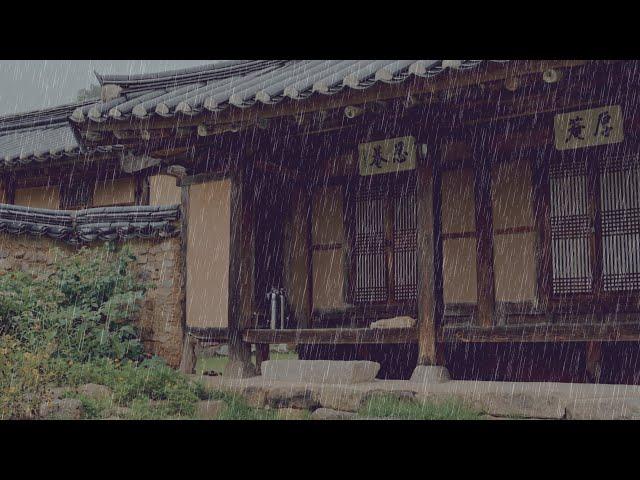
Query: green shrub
[142, 384]
[73, 327]
[24, 377]
[84, 308]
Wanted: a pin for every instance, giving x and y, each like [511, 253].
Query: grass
[217, 363]
[390, 407]
[237, 408]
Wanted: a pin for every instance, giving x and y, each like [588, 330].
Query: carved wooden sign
[588, 128]
[387, 156]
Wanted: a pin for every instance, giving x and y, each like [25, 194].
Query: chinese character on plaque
[387, 156]
[588, 128]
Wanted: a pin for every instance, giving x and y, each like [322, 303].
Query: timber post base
[188, 358]
[430, 374]
[239, 369]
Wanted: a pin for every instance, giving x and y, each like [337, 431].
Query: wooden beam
[430, 303]
[209, 334]
[262, 355]
[241, 269]
[332, 336]
[542, 332]
[593, 361]
[9, 187]
[202, 178]
[188, 360]
[486, 301]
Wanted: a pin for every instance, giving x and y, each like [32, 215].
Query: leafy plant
[84, 308]
[24, 377]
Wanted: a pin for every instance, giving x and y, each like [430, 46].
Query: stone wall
[158, 261]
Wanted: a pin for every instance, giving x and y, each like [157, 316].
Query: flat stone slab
[320, 371]
[522, 400]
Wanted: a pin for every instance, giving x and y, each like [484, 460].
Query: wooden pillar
[142, 189]
[297, 252]
[188, 357]
[241, 269]
[484, 244]
[262, 355]
[593, 361]
[9, 187]
[430, 301]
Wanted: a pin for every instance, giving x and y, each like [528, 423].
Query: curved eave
[361, 77]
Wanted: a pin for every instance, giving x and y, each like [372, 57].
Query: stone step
[320, 371]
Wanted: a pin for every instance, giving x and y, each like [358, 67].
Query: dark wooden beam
[202, 178]
[543, 229]
[430, 304]
[9, 186]
[486, 300]
[241, 269]
[593, 361]
[332, 335]
[188, 359]
[297, 251]
[542, 332]
[262, 355]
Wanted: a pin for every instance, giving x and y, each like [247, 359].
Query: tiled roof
[108, 223]
[244, 83]
[40, 136]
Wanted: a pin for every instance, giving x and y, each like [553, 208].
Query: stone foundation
[157, 261]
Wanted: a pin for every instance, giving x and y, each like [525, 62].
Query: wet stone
[292, 414]
[330, 414]
[320, 371]
[209, 409]
[62, 409]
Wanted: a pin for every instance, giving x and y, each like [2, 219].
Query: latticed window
[384, 268]
[595, 225]
[620, 212]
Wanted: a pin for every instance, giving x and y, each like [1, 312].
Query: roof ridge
[214, 70]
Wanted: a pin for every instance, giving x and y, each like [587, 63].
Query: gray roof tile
[244, 83]
[40, 136]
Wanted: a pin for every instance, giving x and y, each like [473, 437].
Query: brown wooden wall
[459, 236]
[514, 231]
[329, 249]
[38, 197]
[208, 254]
[163, 190]
[121, 191]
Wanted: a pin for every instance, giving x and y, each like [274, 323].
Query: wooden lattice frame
[390, 243]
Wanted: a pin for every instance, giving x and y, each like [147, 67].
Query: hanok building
[44, 165]
[478, 215]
